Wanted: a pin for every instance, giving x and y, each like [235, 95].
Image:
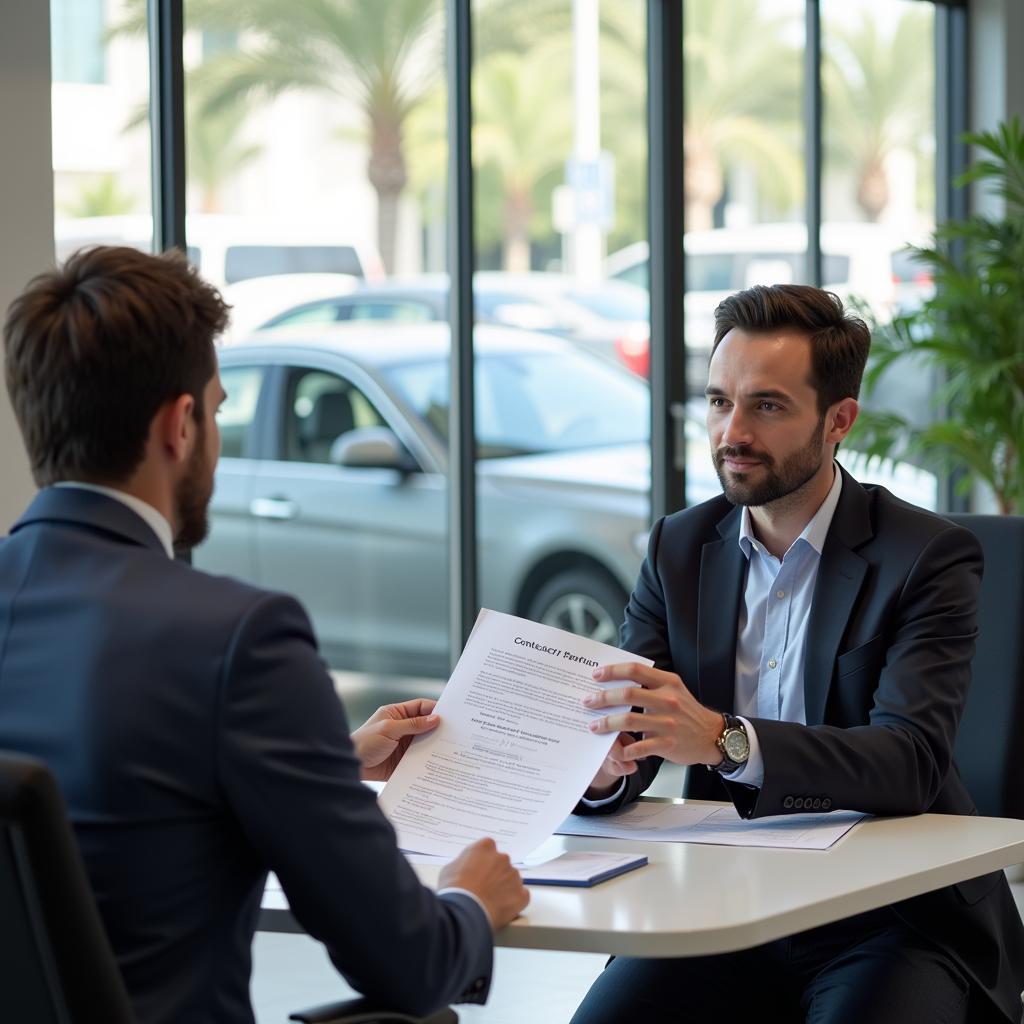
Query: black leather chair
[990, 744]
[56, 965]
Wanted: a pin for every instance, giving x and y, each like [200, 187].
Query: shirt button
[772, 663]
[780, 593]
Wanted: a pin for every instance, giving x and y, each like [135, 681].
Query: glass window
[101, 130]
[244, 261]
[79, 53]
[878, 188]
[399, 312]
[316, 313]
[235, 417]
[316, 150]
[744, 171]
[531, 402]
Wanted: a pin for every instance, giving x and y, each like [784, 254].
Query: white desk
[692, 899]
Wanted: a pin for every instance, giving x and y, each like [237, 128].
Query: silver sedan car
[332, 484]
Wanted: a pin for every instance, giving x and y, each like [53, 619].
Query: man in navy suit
[193, 729]
[812, 642]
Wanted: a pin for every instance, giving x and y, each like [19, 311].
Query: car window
[242, 262]
[399, 311]
[313, 313]
[534, 401]
[320, 408]
[234, 419]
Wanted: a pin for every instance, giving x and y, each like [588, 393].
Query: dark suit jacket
[887, 668]
[199, 743]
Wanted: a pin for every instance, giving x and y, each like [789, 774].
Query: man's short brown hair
[839, 339]
[95, 348]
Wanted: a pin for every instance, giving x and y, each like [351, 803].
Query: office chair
[56, 965]
[990, 744]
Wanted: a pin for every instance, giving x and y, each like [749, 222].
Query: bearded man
[192, 727]
[812, 641]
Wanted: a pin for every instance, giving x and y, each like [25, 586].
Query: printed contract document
[513, 753]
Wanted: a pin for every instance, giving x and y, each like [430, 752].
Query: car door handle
[273, 508]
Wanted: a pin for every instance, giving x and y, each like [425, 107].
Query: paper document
[513, 753]
[696, 823]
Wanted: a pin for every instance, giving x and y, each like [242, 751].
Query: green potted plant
[970, 333]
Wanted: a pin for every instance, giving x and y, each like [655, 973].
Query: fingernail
[598, 673]
[594, 726]
[589, 700]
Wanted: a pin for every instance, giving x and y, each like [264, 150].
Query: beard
[192, 497]
[780, 478]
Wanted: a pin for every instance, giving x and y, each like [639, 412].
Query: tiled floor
[292, 972]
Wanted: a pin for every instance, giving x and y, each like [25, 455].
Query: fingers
[654, 746]
[399, 727]
[624, 721]
[642, 674]
[628, 696]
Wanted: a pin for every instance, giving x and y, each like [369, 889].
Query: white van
[228, 249]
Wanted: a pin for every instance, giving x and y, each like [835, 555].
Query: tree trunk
[516, 244]
[873, 188]
[388, 175]
[702, 183]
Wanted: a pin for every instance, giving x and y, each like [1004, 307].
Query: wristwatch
[734, 745]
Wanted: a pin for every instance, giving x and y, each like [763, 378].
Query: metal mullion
[167, 115]
[462, 546]
[666, 225]
[813, 138]
[951, 159]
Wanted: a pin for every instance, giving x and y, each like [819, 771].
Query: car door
[229, 548]
[363, 548]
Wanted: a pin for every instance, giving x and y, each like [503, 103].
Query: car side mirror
[372, 448]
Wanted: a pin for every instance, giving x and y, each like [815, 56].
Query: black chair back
[990, 744]
[56, 965]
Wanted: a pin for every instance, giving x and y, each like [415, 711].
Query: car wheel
[581, 602]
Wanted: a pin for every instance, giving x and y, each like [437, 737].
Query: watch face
[737, 746]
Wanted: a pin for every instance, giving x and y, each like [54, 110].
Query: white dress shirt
[772, 639]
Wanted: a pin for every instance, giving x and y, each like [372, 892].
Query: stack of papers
[698, 823]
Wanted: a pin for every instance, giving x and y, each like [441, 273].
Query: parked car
[227, 249]
[332, 483]
[857, 260]
[602, 318]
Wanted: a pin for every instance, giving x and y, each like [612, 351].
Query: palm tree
[878, 89]
[523, 130]
[382, 55]
[215, 151]
[742, 94]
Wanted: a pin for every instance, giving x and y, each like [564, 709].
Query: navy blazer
[886, 673]
[199, 743]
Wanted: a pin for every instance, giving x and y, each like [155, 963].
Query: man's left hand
[386, 735]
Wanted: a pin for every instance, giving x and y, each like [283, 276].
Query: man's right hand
[613, 768]
[489, 876]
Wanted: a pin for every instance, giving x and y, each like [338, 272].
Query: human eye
[767, 406]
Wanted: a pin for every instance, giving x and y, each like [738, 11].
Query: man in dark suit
[193, 729]
[812, 641]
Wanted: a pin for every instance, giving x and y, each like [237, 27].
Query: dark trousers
[869, 969]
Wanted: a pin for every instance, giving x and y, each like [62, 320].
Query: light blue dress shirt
[772, 639]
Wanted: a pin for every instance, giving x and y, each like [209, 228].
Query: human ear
[175, 426]
[841, 417]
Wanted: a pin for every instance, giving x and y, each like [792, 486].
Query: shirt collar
[816, 530]
[152, 518]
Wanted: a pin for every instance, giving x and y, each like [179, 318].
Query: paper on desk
[513, 753]
[699, 823]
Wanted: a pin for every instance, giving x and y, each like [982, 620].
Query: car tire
[581, 601]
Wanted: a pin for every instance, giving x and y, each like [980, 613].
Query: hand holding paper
[514, 750]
